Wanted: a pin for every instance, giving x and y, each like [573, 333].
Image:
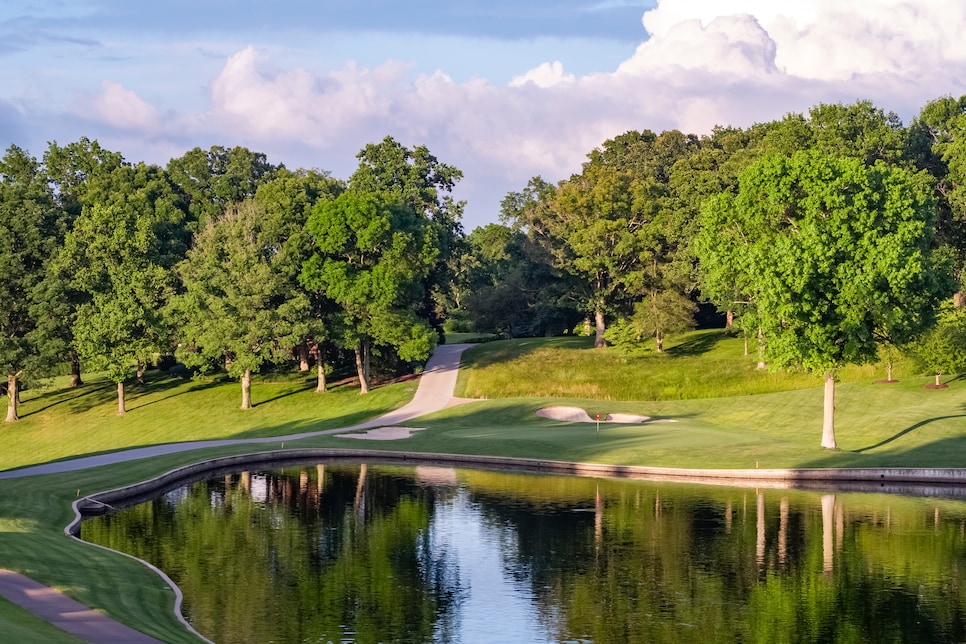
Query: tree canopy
[837, 253]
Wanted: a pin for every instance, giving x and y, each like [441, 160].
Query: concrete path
[67, 614]
[435, 392]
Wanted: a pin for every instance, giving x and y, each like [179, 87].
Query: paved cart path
[435, 392]
[65, 613]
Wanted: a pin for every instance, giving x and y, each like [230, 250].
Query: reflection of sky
[494, 607]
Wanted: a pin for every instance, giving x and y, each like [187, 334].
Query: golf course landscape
[718, 410]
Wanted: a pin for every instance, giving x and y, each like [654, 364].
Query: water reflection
[334, 552]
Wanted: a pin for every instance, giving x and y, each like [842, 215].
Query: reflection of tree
[726, 565]
[312, 561]
[350, 550]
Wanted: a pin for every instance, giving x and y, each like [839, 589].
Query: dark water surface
[337, 552]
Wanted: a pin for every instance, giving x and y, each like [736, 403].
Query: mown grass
[23, 627]
[726, 414]
[59, 422]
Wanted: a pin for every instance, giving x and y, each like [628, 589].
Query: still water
[345, 552]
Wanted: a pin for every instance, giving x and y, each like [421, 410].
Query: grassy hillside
[58, 422]
[700, 364]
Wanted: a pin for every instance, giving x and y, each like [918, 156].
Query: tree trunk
[599, 328]
[938, 376]
[729, 319]
[659, 337]
[889, 371]
[13, 398]
[745, 336]
[362, 366]
[828, 424]
[320, 387]
[959, 299]
[303, 350]
[121, 410]
[246, 383]
[761, 349]
[140, 373]
[75, 370]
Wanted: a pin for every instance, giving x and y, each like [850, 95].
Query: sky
[503, 89]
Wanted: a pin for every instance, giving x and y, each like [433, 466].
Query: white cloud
[122, 108]
[733, 45]
[707, 62]
[545, 75]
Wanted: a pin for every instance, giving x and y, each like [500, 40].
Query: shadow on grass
[101, 392]
[497, 352]
[698, 345]
[264, 434]
[141, 391]
[905, 431]
[59, 397]
[944, 452]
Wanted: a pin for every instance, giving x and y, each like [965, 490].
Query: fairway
[775, 423]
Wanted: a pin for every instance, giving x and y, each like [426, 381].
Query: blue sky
[504, 90]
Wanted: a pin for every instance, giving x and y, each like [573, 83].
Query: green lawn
[726, 413]
[23, 627]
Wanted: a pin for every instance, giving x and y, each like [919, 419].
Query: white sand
[569, 414]
[578, 415]
[385, 433]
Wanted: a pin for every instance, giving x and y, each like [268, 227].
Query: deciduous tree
[839, 259]
[29, 223]
[238, 307]
[374, 254]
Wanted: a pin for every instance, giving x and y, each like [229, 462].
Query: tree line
[220, 260]
[828, 238]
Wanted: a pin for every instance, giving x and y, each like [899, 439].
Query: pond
[339, 552]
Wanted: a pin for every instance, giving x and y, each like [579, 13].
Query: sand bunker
[578, 415]
[569, 414]
[385, 433]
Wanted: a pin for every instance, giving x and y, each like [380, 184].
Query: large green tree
[589, 226]
[938, 135]
[75, 171]
[374, 253]
[238, 307]
[214, 179]
[29, 225]
[838, 253]
[613, 226]
[416, 177]
[119, 256]
[287, 200]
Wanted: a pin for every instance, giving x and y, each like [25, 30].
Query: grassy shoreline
[893, 425]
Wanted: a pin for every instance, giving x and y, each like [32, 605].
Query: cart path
[435, 392]
[67, 614]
